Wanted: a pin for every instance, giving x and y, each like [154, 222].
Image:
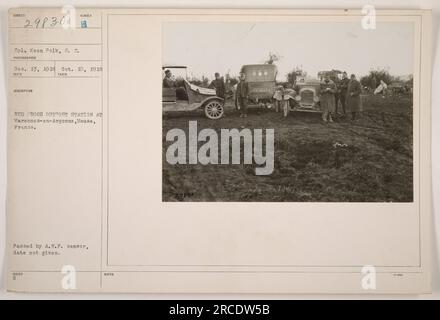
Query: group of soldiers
[241, 92]
[346, 91]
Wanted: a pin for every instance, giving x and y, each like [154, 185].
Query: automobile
[261, 82]
[306, 97]
[185, 96]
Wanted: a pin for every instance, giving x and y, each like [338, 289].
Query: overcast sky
[206, 47]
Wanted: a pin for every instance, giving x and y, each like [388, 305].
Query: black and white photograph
[264, 152]
[288, 111]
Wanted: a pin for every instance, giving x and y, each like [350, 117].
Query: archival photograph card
[219, 151]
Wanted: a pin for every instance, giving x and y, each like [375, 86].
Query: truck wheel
[214, 109]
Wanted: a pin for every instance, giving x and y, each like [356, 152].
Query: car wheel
[214, 109]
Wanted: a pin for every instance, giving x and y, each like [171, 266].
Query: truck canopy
[259, 72]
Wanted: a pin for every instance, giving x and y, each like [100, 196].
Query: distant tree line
[375, 76]
[204, 82]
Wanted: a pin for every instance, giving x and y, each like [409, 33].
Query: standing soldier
[343, 85]
[242, 94]
[219, 85]
[353, 97]
[328, 90]
[337, 93]
[373, 83]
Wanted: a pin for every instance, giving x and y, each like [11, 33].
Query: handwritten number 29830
[47, 22]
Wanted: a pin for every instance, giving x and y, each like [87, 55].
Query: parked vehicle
[193, 97]
[306, 98]
[261, 82]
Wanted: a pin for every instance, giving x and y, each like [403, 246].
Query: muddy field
[366, 160]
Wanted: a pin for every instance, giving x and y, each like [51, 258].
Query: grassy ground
[367, 160]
